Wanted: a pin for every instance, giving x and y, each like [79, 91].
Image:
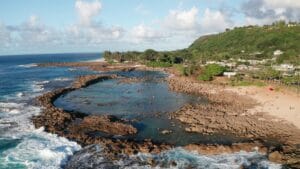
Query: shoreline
[188, 86]
[283, 105]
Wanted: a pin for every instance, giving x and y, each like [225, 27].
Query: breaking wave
[23, 146]
[28, 65]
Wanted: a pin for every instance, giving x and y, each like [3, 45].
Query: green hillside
[252, 42]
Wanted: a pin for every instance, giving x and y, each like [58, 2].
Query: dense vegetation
[211, 70]
[251, 42]
[248, 43]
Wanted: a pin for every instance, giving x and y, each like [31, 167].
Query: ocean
[23, 146]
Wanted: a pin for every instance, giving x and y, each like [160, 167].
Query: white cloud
[142, 33]
[182, 19]
[267, 11]
[34, 34]
[87, 10]
[190, 21]
[214, 21]
[282, 3]
[88, 30]
[5, 38]
[142, 10]
[92, 35]
[182, 26]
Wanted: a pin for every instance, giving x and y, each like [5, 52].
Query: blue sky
[54, 26]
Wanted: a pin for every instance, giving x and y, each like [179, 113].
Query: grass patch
[158, 64]
[248, 83]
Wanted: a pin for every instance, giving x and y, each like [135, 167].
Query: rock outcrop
[227, 112]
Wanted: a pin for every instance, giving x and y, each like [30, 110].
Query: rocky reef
[225, 112]
[80, 127]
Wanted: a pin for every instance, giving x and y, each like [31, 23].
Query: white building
[291, 25]
[253, 62]
[277, 53]
[229, 74]
[242, 67]
[284, 67]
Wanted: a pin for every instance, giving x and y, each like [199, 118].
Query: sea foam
[36, 148]
[39, 150]
[187, 159]
[38, 86]
[28, 65]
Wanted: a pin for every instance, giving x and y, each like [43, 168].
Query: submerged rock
[107, 124]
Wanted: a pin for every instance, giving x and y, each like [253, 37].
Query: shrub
[205, 77]
[189, 70]
[158, 64]
[210, 71]
[267, 74]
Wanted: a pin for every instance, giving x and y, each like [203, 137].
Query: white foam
[185, 159]
[18, 113]
[38, 86]
[20, 94]
[41, 150]
[10, 108]
[72, 69]
[62, 79]
[28, 65]
[41, 82]
[96, 60]
[37, 148]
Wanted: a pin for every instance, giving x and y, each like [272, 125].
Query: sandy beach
[283, 105]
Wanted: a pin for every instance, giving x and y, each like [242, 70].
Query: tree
[210, 71]
[165, 58]
[150, 55]
[107, 55]
[177, 60]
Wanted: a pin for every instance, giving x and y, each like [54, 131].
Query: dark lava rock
[93, 157]
[107, 124]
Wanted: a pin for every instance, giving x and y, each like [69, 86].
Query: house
[253, 62]
[277, 53]
[242, 60]
[291, 25]
[284, 67]
[253, 68]
[229, 74]
[242, 67]
[211, 62]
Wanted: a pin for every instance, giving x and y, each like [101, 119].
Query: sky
[72, 26]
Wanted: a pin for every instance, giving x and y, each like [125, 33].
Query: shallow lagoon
[146, 103]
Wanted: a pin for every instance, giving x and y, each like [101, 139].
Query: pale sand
[96, 60]
[283, 104]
